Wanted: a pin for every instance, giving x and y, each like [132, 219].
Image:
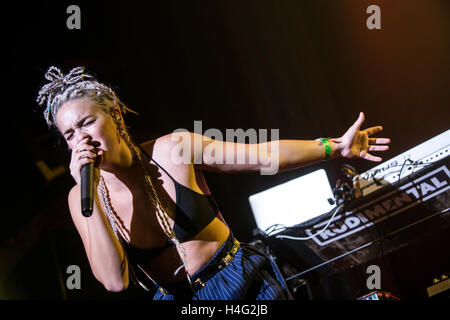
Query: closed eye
[89, 122]
[69, 135]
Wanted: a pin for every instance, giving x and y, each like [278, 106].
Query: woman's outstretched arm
[273, 156]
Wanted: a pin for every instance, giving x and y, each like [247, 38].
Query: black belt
[231, 246]
[210, 270]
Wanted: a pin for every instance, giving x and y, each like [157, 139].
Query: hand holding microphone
[85, 172]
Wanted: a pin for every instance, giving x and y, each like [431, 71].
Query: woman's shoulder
[165, 152]
[155, 148]
[163, 146]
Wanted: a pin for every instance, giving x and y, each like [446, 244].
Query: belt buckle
[163, 291]
[227, 259]
[231, 253]
[200, 282]
[235, 247]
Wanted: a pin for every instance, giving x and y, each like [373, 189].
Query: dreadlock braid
[153, 196]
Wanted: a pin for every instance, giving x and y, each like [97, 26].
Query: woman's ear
[117, 116]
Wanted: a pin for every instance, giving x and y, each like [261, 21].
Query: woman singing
[154, 220]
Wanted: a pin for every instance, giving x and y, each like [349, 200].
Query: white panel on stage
[293, 202]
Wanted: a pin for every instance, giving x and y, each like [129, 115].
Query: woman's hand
[357, 144]
[82, 154]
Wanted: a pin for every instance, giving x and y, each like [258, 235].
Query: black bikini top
[194, 211]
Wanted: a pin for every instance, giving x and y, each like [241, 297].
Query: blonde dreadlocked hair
[76, 85]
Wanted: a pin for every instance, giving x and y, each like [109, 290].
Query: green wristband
[327, 145]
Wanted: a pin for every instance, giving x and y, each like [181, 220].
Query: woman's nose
[81, 135]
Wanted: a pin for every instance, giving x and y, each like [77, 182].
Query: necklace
[107, 204]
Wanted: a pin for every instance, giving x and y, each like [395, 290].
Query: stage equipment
[378, 295]
[293, 202]
[401, 204]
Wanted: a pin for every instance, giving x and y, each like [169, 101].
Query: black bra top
[142, 256]
[194, 211]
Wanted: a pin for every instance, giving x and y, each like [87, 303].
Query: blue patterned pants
[250, 275]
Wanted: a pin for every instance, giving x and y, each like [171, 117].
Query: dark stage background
[304, 67]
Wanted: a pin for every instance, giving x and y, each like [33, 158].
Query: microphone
[87, 189]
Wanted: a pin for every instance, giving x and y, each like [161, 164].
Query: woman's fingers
[378, 148]
[81, 158]
[357, 124]
[87, 154]
[82, 154]
[84, 161]
[372, 130]
[379, 140]
[84, 147]
[370, 157]
[379, 144]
